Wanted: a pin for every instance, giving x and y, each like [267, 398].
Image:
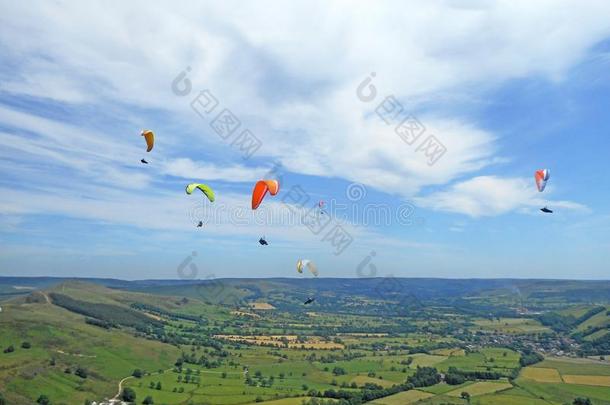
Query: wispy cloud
[490, 196]
[79, 80]
[257, 69]
[188, 169]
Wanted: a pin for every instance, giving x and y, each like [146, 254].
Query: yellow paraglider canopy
[311, 266]
[205, 189]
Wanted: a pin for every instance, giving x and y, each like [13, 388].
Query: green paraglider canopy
[204, 189]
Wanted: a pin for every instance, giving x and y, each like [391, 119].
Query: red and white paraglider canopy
[541, 177]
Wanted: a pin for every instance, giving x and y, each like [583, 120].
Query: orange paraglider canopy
[149, 136]
[260, 190]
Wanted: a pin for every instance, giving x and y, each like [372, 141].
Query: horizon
[211, 280]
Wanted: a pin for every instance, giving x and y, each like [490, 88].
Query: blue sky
[506, 87]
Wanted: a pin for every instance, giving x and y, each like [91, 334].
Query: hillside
[243, 341]
[62, 341]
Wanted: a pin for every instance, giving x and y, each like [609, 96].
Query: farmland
[75, 341]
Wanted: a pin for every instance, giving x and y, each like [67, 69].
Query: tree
[137, 373]
[465, 395]
[339, 371]
[2, 400]
[43, 400]
[148, 400]
[529, 358]
[424, 377]
[26, 345]
[454, 377]
[128, 395]
[158, 387]
[9, 349]
[582, 401]
[81, 372]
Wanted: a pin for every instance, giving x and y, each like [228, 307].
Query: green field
[177, 344]
[512, 325]
[407, 397]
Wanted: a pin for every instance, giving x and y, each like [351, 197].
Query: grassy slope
[112, 355]
[62, 335]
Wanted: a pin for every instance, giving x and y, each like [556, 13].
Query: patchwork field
[178, 350]
[480, 388]
[563, 393]
[601, 380]
[427, 360]
[283, 401]
[546, 375]
[598, 320]
[449, 352]
[512, 325]
[401, 398]
[503, 399]
[362, 379]
[290, 341]
[576, 366]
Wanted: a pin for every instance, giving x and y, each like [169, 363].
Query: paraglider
[149, 137]
[309, 301]
[311, 266]
[542, 176]
[205, 189]
[260, 190]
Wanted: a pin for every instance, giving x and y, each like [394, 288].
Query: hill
[242, 341]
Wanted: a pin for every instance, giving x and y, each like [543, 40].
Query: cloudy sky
[419, 124]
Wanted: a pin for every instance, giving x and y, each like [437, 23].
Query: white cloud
[186, 168]
[290, 73]
[491, 195]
